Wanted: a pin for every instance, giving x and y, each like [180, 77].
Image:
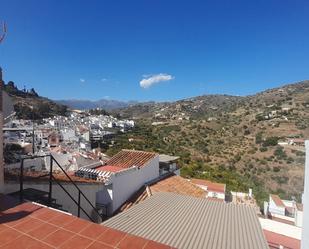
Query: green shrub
[270, 141]
[280, 153]
[276, 169]
[258, 138]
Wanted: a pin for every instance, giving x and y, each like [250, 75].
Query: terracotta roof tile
[178, 185]
[275, 239]
[109, 168]
[24, 240]
[132, 242]
[171, 183]
[48, 231]
[93, 231]
[277, 200]
[99, 245]
[77, 242]
[58, 237]
[211, 186]
[43, 231]
[112, 237]
[130, 158]
[77, 225]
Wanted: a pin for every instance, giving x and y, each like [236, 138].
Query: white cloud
[150, 80]
[82, 80]
[103, 79]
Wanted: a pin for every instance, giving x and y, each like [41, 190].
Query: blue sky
[104, 49]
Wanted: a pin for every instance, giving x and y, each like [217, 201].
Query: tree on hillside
[10, 88]
[33, 92]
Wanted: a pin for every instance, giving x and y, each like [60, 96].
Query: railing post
[21, 181]
[50, 180]
[78, 211]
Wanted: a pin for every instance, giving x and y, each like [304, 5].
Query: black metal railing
[52, 179]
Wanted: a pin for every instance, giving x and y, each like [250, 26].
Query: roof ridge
[132, 150]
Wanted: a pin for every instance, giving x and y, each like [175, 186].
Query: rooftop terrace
[30, 225]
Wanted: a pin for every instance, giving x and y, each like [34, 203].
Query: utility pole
[2, 36]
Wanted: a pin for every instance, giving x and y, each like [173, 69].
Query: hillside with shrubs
[242, 141]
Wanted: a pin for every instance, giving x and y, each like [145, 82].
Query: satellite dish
[8, 107]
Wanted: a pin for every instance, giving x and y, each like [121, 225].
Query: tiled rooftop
[109, 168]
[130, 158]
[178, 185]
[211, 186]
[277, 200]
[275, 239]
[29, 225]
[172, 184]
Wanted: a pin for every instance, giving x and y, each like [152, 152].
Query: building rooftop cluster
[71, 138]
[138, 197]
[142, 194]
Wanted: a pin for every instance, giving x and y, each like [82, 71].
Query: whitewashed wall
[212, 194]
[274, 209]
[299, 218]
[89, 189]
[126, 184]
[216, 195]
[305, 232]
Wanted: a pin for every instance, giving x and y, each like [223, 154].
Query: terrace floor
[29, 225]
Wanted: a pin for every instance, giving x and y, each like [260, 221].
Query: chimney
[305, 232]
[1, 136]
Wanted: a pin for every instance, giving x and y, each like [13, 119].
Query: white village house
[214, 190]
[288, 211]
[107, 186]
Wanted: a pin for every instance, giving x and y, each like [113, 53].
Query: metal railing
[52, 179]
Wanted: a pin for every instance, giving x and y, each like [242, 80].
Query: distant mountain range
[106, 104]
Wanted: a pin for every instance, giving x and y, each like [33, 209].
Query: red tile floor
[29, 225]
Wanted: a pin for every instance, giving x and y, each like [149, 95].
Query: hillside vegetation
[229, 139]
[28, 104]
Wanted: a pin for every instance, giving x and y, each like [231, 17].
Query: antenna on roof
[3, 32]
